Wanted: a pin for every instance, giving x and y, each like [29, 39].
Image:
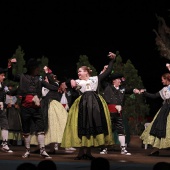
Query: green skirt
[156, 142]
[70, 136]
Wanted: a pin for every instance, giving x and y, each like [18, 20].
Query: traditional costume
[88, 124]
[157, 132]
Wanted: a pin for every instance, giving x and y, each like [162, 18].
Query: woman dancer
[13, 116]
[88, 122]
[157, 133]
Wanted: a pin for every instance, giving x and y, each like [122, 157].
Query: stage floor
[65, 160]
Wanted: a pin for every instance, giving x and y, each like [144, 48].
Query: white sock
[27, 141]
[41, 142]
[122, 140]
[4, 134]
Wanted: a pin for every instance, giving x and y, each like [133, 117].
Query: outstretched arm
[49, 74]
[150, 95]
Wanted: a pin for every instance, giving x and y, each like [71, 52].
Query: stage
[65, 160]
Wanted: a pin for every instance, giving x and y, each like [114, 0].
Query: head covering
[32, 63]
[2, 70]
[10, 84]
[115, 76]
[62, 80]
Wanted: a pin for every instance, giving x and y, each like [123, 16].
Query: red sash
[112, 108]
[27, 101]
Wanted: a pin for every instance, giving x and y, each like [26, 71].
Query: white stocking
[41, 141]
[4, 134]
[27, 141]
[122, 140]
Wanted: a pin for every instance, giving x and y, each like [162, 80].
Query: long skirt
[14, 120]
[160, 143]
[71, 136]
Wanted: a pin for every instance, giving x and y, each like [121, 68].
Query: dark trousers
[31, 118]
[117, 123]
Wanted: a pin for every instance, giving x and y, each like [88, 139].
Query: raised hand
[10, 61]
[73, 83]
[104, 68]
[13, 60]
[45, 69]
[168, 66]
[111, 55]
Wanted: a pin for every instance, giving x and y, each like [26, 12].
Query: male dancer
[30, 88]
[114, 95]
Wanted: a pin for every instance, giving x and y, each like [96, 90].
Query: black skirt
[14, 121]
[91, 119]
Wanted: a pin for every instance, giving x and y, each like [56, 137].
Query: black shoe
[156, 153]
[79, 157]
[88, 157]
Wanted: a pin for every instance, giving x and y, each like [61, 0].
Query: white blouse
[165, 93]
[88, 85]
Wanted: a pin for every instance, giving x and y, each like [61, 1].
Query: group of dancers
[74, 114]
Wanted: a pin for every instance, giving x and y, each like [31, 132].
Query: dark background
[62, 31]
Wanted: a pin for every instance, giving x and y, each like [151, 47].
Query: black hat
[10, 84]
[2, 70]
[33, 63]
[115, 76]
[62, 81]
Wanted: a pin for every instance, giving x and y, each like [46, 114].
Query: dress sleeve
[107, 72]
[49, 86]
[153, 96]
[50, 79]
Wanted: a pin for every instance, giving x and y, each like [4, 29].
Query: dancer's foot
[27, 153]
[79, 157]
[104, 151]
[89, 157]
[124, 151]
[5, 147]
[154, 153]
[44, 154]
[56, 146]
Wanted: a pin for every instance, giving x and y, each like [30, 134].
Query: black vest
[29, 85]
[114, 96]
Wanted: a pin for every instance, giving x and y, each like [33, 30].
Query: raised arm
[49, 86]
[10, 75]
[112, 56]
